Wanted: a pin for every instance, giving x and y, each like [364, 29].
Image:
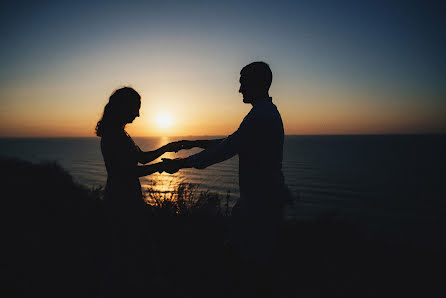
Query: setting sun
[164, 120]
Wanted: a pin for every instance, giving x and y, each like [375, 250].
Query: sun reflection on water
[162, 182]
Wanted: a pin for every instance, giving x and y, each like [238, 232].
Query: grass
[187, 199]
[55, 242]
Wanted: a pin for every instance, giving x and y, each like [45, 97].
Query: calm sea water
[392, 179]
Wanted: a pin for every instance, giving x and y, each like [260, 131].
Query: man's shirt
[259, 144]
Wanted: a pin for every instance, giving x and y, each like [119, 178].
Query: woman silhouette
[121, 154]
[123, 197]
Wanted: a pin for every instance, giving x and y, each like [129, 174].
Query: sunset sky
[339, 67]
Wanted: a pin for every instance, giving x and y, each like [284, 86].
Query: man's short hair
[258, 73]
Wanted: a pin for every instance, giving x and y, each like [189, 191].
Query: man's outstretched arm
[204, 144]
[216, 151]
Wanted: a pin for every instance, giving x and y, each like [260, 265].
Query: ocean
[386, 182]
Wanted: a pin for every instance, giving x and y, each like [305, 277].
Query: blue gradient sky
[339, 66]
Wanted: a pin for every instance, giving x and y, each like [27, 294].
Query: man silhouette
[258, 142]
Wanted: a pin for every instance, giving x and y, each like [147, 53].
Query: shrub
[185, 199]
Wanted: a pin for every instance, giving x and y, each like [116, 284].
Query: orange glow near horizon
[204, 104]
[201, 118]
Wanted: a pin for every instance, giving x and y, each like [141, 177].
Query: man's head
[255, 80]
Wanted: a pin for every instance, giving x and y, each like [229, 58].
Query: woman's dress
[120, 155]
[125, 209]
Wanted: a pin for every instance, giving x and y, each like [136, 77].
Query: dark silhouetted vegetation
[54, 244]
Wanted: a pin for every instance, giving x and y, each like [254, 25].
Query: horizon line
[207, 136]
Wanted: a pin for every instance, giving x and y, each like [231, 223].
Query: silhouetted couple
[258, 142]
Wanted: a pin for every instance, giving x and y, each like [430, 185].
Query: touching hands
[172, 166]
[179, 145]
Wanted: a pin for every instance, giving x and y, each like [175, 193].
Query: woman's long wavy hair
[117, 110]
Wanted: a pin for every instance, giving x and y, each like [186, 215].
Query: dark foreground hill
[55, 243]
